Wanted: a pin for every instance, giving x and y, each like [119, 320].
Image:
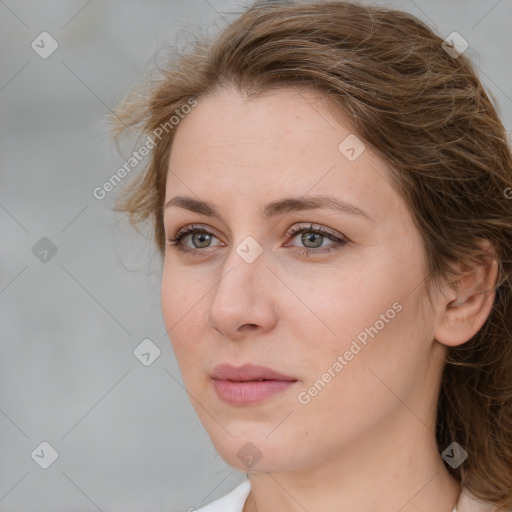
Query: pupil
[311, 238]
[201, 238]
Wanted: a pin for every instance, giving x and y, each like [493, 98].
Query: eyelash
[177, 241]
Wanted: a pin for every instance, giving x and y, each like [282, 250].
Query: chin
[251, 453]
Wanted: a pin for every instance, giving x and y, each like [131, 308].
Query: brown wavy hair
[425, 113]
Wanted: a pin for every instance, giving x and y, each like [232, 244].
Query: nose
[244, 298]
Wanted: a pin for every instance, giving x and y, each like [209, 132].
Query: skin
[366, 442]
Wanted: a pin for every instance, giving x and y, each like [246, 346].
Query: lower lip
[251, 392]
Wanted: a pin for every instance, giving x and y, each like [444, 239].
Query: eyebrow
[275, 208]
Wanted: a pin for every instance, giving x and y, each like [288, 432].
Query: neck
[401, 470]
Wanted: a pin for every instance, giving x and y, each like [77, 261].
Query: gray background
[126, 434]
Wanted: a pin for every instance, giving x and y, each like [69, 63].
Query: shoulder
[468, 502]
[232, 502]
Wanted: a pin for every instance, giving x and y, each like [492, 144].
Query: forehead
[284, 142]
[282, 120]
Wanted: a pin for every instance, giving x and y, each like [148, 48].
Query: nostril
[248, 327]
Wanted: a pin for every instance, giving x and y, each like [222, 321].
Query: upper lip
[247, 372]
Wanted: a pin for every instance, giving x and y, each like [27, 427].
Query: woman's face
[346, 322]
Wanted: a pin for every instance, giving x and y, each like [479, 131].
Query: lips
[248, 384]
[247, 372]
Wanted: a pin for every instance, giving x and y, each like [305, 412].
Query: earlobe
[468, 301]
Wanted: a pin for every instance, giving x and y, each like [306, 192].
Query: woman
[329, 186]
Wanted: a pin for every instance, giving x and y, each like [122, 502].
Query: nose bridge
[239, 297]
[242, 269]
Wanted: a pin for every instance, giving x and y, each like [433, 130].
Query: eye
[200, 237]
[313, 237]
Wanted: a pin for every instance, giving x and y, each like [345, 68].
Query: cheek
[182, 293]
[368, 316]
[181, 311]
[171, 298]
[349, 301]
[381, 345]
[353, 385]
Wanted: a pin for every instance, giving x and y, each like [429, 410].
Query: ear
[468, 301]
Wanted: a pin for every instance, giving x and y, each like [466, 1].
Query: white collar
[235, 500]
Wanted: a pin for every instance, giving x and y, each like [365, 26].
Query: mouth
[248, 384]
